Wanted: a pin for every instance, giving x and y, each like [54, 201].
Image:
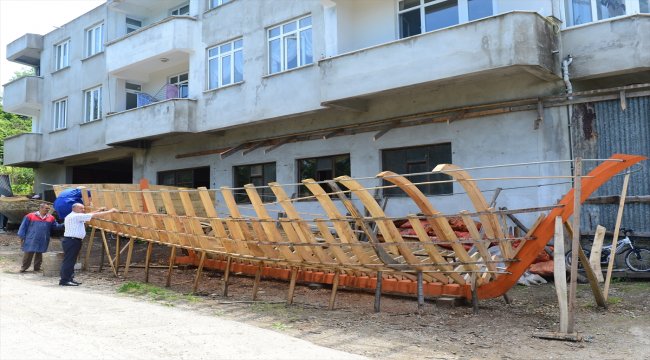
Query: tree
[22, 179]
[25, 71]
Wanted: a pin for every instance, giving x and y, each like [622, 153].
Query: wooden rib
[338, 252]
[340, 224]
[440, 225]
[433, 252]
[490, 222]
[530, 232]
[194, 225]
[301, 228]
[270, 230]
[239, 231]
[481, 247]
[217, 226]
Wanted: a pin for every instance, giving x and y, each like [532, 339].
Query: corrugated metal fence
[600, 129]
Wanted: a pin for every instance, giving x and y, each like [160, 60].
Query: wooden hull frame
[334, 246]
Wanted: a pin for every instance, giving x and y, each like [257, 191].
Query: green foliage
[22, 179]
[154, 292]
[25, 71]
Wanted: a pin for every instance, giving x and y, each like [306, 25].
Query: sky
[19, 17]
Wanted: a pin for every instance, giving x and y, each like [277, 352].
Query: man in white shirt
[75, 231]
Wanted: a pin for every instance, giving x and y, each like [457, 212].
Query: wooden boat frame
[329, 249]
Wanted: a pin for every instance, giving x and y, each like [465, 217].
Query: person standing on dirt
[75, 231]
[35, 232]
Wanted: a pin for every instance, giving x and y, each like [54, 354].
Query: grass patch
[279, 326]
[613, 300]
[154, 292]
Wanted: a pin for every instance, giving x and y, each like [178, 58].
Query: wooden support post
[575, 244]
[378, 292]
[226, 277]
[474, 294]
[172, 259]
[117, 255]
[256, 283]
[335, 286]
[596, 250]
[101, 259]
[420, 290]
[89, 249]
[292, 285]
[559, 275]
[507, 299]
[617, 229]
[129, 255]
[108, 253]
[147, 260]
[593, 280]
[199, 271]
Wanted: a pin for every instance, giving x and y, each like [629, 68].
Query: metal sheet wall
[602, 128]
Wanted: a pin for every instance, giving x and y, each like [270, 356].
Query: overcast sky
[18, 17]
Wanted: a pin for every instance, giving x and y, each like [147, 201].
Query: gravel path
[41, 320]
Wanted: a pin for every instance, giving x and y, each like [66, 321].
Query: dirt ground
[499, 331]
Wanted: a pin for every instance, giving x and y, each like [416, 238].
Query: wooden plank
[129, 256]
[481, 247]
[575, 243]
[108, 253]
[559, 275]
[199, 272]
[342, 227]
[596, 250]
[335, 286]
[240, 230]
[147, 261]
[270, 230]
[302, 229]
[440, 225]
[493, 229]
[89, 248]
[593, 280]
[170, 270]
[617, 229]
[292, 285]
[530, 232]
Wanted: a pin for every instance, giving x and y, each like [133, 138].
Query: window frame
[60, 114]
[177, 172]
[213, 4]
[302, 190]
[631, 7]
[181, 84]
[89, 111]
[283, 51]
[59, 62]
[90, 39]
[219, 56]
[132, 27]
[178, 9]
[463, 14]
[265, 193]
[427, 189]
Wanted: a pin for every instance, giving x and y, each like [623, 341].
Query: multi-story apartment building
[229, 92]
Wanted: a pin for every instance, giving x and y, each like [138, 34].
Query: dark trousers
[71, 248]
[27, 260]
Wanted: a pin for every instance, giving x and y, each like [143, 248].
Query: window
[416, 160]
[181, 83]
[62, 52]
[322, 168]
[93, 104]
[94, 40]
[132, 25]
[180, 10]
[290, 45]
[214, 3]
[419, 16]
[132, 91]
[258, 175]
[225, 64]
[60, 114]
[191, 178]
[585, 11]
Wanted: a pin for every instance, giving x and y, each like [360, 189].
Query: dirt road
[41, 320]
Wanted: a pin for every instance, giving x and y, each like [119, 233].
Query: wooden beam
[254, 147]
[356, 105]
[201, 153]
[279, 143]
[575, 244]
[559, 275]
[232, 150]
[617, 228]
[593, 281]
[616, 199]
[332, 134]
[596, 250]
[382, 132]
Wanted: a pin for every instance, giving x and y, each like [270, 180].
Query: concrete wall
[364, 23]
[24, 96]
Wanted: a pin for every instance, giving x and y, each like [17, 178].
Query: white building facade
[229, 92]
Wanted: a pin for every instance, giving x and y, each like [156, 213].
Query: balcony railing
[24, 96]
[22, 150]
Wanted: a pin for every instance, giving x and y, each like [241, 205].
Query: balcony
[613, 47]
[26, 50]
[150, 122]
[24, 96]
[23, 150]
[159, 46]
[502, 45]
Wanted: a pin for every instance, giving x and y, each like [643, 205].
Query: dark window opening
[190, 178]
[417, 160]
[256, 174]
[322, 168]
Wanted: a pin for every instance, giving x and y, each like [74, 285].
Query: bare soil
[399, 331]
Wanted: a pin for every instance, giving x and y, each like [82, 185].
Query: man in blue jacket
[34, 232]
[65, 200]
